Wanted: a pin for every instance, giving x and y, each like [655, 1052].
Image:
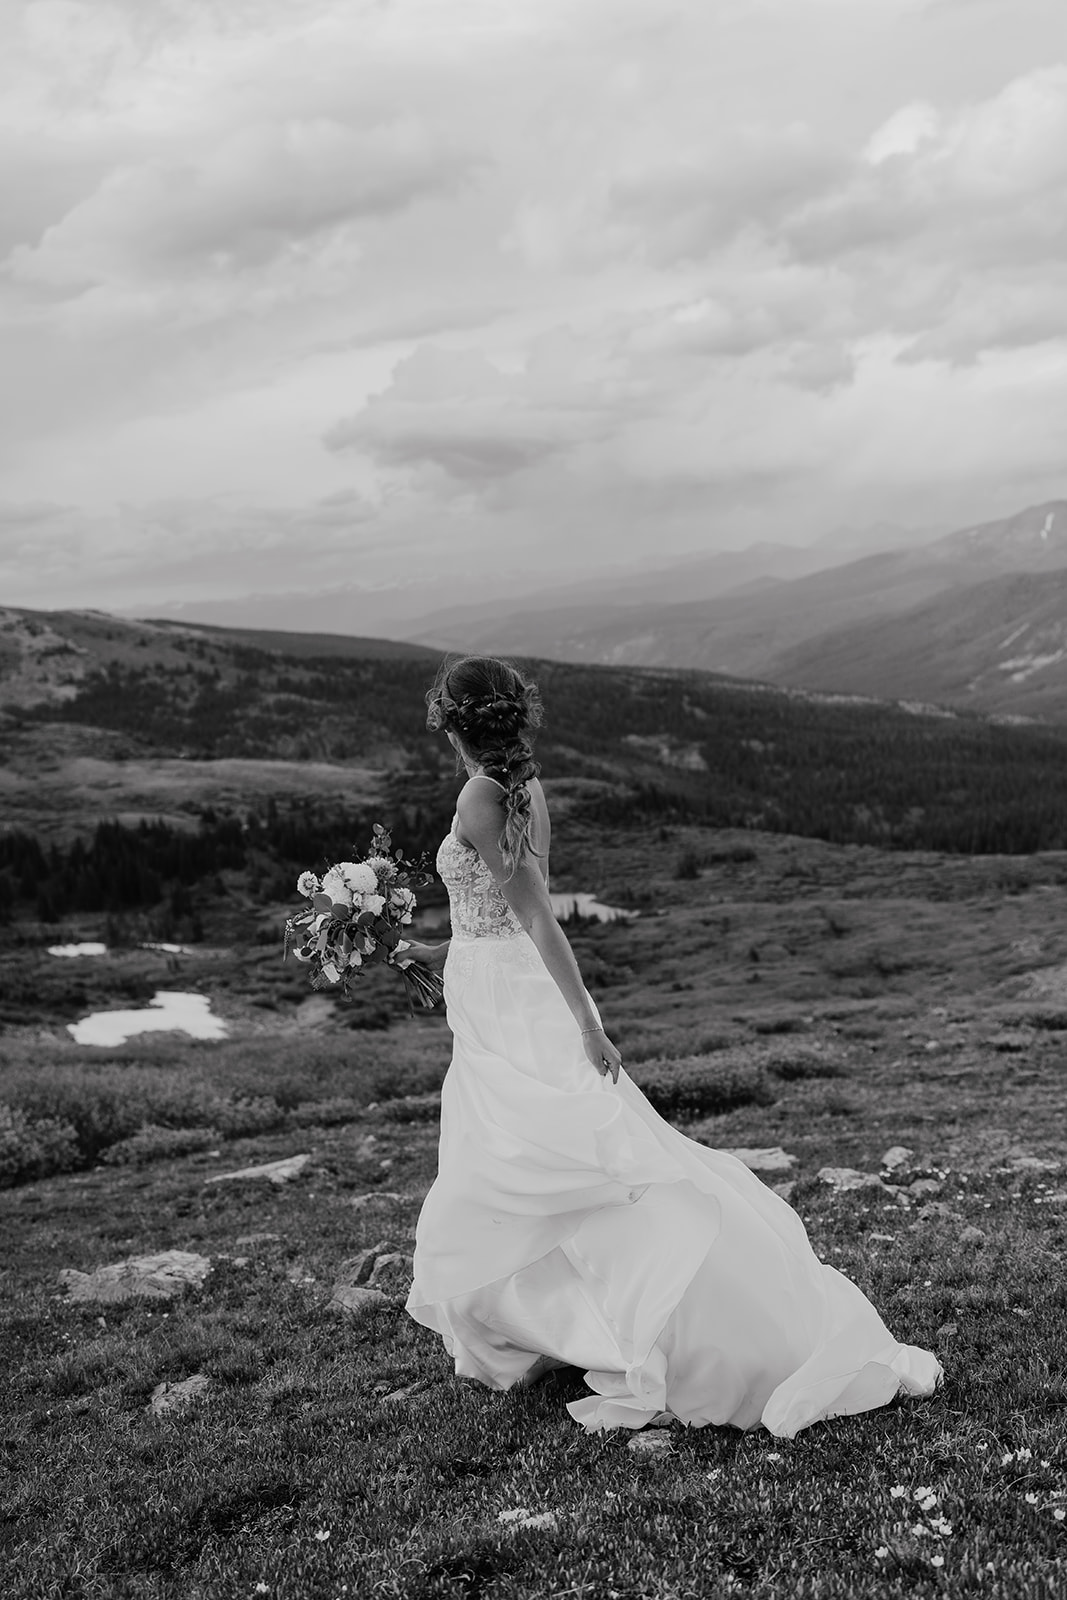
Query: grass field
[875, 1000]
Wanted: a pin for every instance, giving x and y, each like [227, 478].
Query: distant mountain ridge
[872, 625]
[444, 613]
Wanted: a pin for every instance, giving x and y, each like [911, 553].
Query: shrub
[799, 1062]
[700, 1085]
[258, 1114]
[688, 864]
[409, 1108]
[34, 1148]
[328, 1113]
[153, 1143]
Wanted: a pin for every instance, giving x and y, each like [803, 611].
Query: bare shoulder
[479, 808]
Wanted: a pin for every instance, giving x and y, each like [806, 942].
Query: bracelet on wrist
[597, 1029]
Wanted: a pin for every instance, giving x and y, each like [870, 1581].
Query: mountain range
[971, 619]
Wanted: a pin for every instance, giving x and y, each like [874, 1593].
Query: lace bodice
[479, 910]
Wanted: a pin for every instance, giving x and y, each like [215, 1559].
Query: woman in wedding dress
[569, 1224]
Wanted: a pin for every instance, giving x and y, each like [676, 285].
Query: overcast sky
[304, 292]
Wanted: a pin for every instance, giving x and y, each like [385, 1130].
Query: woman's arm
[430, 955]
[481, 819]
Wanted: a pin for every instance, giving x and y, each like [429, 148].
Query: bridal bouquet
[354, 917]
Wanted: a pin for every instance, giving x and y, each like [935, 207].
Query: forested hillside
[621, 748]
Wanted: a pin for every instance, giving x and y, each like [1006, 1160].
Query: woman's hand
[602, 1054]
[427, 955]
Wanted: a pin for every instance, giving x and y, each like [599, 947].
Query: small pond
[167, 1010]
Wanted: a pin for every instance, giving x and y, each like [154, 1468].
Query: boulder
[360, 1269]
[392, 1273]
[650, 1444]
[355, 1301]
[841, 1178]
[172, 1397]
[157, 1277]
[898, 1155]
[274, 1171]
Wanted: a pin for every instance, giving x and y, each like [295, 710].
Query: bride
[569, 1224]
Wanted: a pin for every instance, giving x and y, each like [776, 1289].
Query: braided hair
[493, 712]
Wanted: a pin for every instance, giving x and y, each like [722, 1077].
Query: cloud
[562, 270]
[458, 413]
[264, 192]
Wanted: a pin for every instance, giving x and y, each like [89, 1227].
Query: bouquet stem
[423, 987]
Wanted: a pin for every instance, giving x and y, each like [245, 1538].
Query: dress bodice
[478, 908]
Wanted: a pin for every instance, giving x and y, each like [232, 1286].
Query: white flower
[1031, 1499]
[937, 1561]
[881, 1552]
[359, 877]
[260, 1588]
[929, 1503]
[1023, 1455]
[923, 1493]
[1007, 1460]
[322, 1535]
[335, 886]
[355, 959]
[383, 869]
[307, 884]
[1059, 1513]
[373, 902]
[898, 1491]
[330, 971]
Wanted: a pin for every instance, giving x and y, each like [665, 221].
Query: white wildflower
[881, 1552]
[1023, 1455]
[1031, 1499]
[1059, 1513]
[898, 1491]
[307, 884]
[1007, 1460]
[322, 1535]
[923, 1493]
[929, 1503]
[937, 1561]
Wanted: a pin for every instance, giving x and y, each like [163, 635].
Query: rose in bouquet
[353, 920]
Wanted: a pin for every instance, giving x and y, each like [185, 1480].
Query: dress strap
[491, 780]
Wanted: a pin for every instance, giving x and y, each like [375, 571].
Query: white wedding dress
[569, 1220]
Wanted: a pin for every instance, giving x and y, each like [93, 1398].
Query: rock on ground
[649, 1444]
[168, 1397]
[273, 1171]
[898, 1155]
[157, 1277]
[840, 1178]
[356, 1301]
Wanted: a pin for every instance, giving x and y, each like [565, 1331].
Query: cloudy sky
[299, 293]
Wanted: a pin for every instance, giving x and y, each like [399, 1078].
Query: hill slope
[772, 629]
[151, 726]
[997, 646]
